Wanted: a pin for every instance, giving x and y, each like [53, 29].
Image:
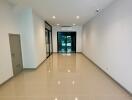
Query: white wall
[107, 40]
[23, 21]
[8, 24]
[32, 31]
[78, 29]
[39, 38]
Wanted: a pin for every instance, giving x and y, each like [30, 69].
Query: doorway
[47, 43]
[48, 39]
[66, 42]
[16, 54]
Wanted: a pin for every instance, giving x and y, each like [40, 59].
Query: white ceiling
[65, 10]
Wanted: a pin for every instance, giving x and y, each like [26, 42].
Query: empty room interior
[65, 49]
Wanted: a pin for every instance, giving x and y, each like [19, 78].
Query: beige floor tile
[63, 77]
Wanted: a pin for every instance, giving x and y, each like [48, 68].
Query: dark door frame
[48, 27]
[66, 32]
[48, 41]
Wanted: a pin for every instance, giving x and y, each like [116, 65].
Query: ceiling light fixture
[74, 24]
[58, 24]
[53, 17]
[77, 17]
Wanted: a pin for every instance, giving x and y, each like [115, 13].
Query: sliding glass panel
[62, 43]
[69, 42]
[47, 43]
[51, 49]
[66, 42]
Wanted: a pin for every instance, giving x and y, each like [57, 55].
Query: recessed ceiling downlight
[58, 24]
[53, 17]
[77, 17]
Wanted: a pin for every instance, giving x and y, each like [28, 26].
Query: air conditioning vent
[66, 28]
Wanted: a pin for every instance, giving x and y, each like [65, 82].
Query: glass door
[69, 44]
[51, 46]
[66, 42]
[62, 43]
[48, 39]
[47, 43]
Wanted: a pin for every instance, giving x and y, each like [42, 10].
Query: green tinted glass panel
[66, 42]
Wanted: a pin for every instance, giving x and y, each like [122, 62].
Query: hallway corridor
[63, 77]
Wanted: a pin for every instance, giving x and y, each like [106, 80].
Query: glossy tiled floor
[63, 77]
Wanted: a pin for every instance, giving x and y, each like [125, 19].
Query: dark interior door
[66, 42]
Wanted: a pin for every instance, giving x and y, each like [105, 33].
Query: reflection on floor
[63, 77]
